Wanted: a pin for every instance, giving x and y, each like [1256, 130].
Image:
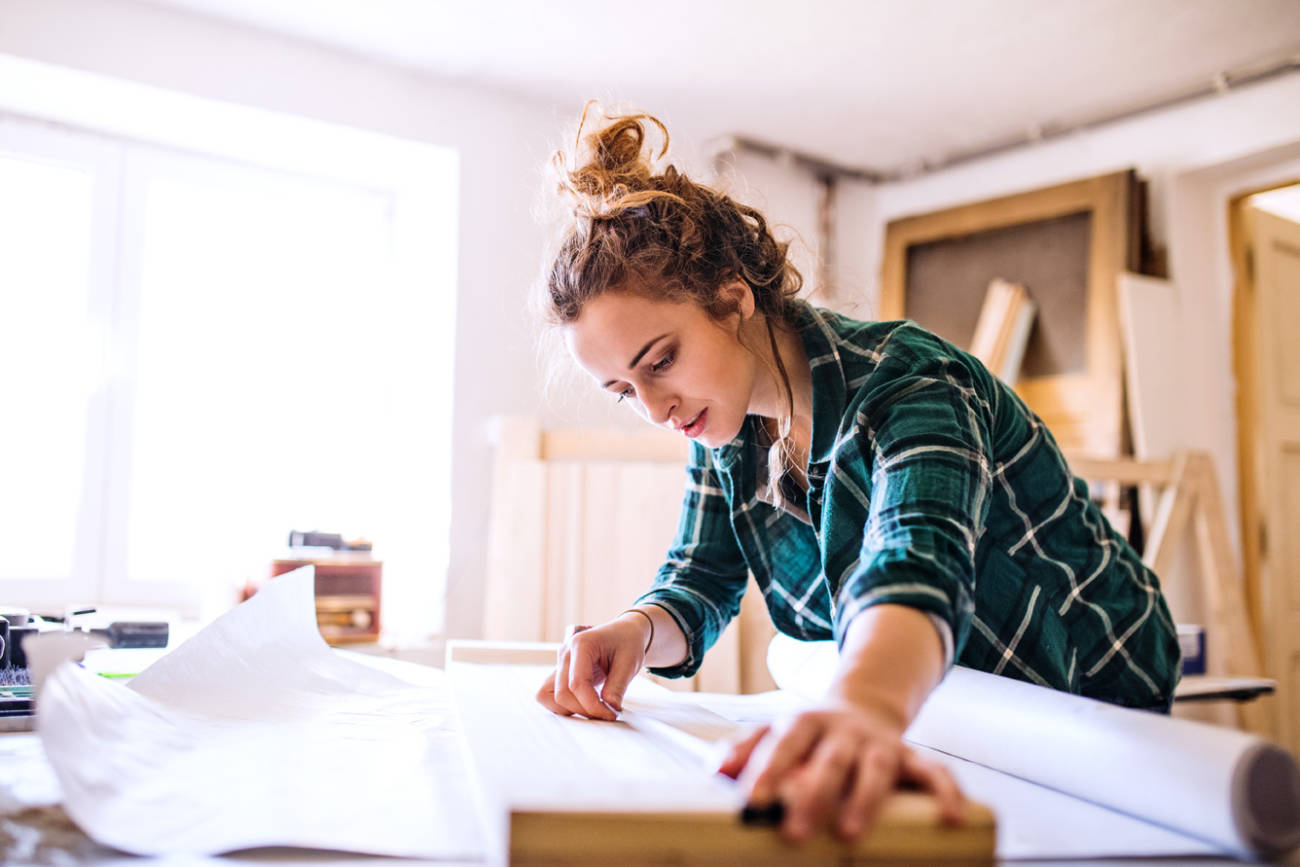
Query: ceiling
[883, 85]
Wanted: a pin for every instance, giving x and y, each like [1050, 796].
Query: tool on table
[17, 695]
[317, 539]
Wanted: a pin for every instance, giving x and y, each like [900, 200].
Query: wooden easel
[1190, 494]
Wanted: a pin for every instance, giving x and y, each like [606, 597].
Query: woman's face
[670, 361]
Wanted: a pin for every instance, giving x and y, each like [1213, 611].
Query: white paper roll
[1233, 789]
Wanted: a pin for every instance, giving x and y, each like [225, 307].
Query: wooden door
[1270, 439]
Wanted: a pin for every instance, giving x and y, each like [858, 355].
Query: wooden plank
[513, 602]
[1232, 635]
[1002, 331]
[564, 517]
[755, 635]
[1123, 470]
[908, 830]
[1172, 514]
[1150, 323]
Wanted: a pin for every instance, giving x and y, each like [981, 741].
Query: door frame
[1247, 394]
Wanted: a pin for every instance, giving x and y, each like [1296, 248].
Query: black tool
[317, 539]
[127, 633]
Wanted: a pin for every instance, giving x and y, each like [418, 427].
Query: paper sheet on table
[621, 764]
[256, 733]
[1234, 790]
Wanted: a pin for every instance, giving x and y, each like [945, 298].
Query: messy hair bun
[617, 171]
[628, 227]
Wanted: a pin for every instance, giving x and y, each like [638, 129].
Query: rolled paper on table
[1231, 788]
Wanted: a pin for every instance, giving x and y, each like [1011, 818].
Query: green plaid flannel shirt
[932, 485]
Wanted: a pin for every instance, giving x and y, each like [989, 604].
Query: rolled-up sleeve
[924, 440]
[704, 574]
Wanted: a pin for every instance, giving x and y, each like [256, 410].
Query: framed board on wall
[1067, 245]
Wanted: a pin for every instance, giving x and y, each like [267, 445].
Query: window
[199, 353]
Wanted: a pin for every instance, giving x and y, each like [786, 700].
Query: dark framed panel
[1066, 245]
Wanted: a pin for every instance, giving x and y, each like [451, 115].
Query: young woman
[884, 489]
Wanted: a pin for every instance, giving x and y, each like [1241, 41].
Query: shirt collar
[829, 389]
[829, 385]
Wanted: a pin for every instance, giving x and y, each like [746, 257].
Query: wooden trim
[1246, 400]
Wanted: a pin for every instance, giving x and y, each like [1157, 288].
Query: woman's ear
[738, 292]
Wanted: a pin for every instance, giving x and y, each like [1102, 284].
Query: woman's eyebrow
[644, 349]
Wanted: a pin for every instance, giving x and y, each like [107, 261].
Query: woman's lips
[696, 427]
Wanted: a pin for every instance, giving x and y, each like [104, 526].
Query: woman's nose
[659, 406]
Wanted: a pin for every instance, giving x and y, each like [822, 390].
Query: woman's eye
[663, 363]
[624, 394]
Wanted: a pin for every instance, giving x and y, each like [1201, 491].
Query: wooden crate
[347, 596]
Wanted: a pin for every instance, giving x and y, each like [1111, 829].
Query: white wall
[789, 198]
[502, 142]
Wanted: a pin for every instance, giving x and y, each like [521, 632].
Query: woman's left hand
[835, 764]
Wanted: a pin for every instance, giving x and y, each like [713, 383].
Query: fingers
[787, 751]
[938, 780]
[738, 756]
[832, 767]
[820, 785]
[560, 693]
[546, 696]
[587, 660]
[875, 776]
[558, 696]
[583, 670]
[622, 669]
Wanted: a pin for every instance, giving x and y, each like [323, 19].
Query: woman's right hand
[595, 666]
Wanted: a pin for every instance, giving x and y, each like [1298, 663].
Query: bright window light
[48, 366]
[207, 341]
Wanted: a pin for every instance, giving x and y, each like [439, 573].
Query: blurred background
[263, 263]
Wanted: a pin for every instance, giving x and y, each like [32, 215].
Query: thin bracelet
[650, 620]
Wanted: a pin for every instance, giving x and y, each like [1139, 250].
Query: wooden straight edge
[344, 602]
[1127, 471]
[907, 830]
[502, 652]
[612, 445]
